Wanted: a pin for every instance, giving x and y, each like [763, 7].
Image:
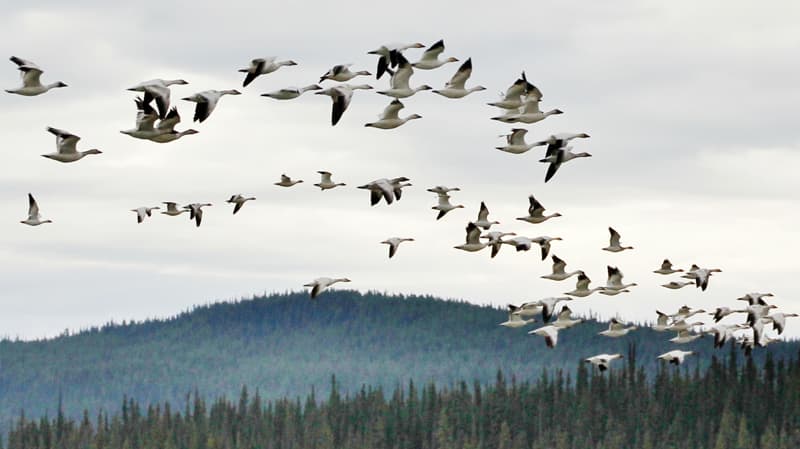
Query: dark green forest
[284, 345]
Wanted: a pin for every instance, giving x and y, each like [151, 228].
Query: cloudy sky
[692, 108]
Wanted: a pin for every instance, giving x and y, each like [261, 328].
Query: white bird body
[722, 312]
[536, 212]
[666, 267]
[582, 289]
[564, 319]
[557, 157]
[483, 218]
[614, 281]
[326, 182]
[529, 309]
[31, 83]
[388, 189]
[675, 357]
[473, 242]
[529, 113]
[779, 320]
[559, 273]
[66, 146]
[662, 322]
[34, 217]
[495, 240]
[146, 118]
[614, 246]
[443, 189]
[158, 90]
[455, 87]
[430, 57]
[515, 142]
[399, 85]
[394, 243]
[550, 334]
[262, 66]
[517, 94]
[290, 93]
[682, 325]
[515, 320]
[238, 200]
[602, 361]
[389, 118]
[143, 212]
[166, 128]
[172, 209]
[206, 102]
[341, 96]
[342, 73]
[701, 276]
[444, 205]
[320, 284]
[196, 211]
[287, 181]
[674, 285]
[616, 329]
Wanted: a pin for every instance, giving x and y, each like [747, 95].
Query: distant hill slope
[283, 345]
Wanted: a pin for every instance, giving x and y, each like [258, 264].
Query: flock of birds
[520, 104]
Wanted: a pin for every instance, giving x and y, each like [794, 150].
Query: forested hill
[282, 345]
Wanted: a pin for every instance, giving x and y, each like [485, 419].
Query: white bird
[558, 157]
[399, 87]
[389, 55]
[666, 266]
[701, 276]
[530, 113]
[616, 329]
[239, 201]
[34, 217]
[341, 96]
[564, 319]
[342, 72]
[388, 189]
[325, 182]
[674, 285]
[544, 244]
[602, 361]
[779, 320]
[686, 312]
[515, 96]
[614, 245]
[755, 298]
[196, 211]
[549, 305]
[536, 212]
[430, 57]
[675, 357]
[529, 308]
[143, 212]
[515, 142]
[724, 332]
[559, 273]
[167, 128]
[443, 189]
[146, 117]
[207, 102]
[262, 66]
[758, 311]
[158, 90]
[320, 284]
[394, 243]
[455, 87]
[444, 205]
[483, 218]
[287, 181]
[582, 289]
[65, 144]
[515, 319]
[473, 242]
[496, 240]
[556, 141]
[662, 322]
[684, 337]
[31, 84]
[290, 93]
[550, 334]
[390, 118]
[172, 209]
[614, 281]
[722, 312]
[682, 325]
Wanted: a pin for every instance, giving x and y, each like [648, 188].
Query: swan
[389, 55]
[290, 93]
[342, 72]
[239, 201]
[34, 217]
[389, 118]
[143, 212]
[549, 305]
[158, 90]
[496, 240]
[320, 284]
[666, 265]
[172, 209]
[444, 205]
[536, 212]
[602, 361]
[550, 334]
[483, 218]
[430, 57]
[614, 245]
[674, 285]
[473, 242]
[341, 96]
[196, 211]
[529, 113]
[582, 289]
[455, 87]
[616, 329]
[614, 281]
[722, 312]
[675, 357]
[779, 320]
[167, 126]
[325, 182]
[394, 243]
[65, 143]
[207, 101]
[262, 66]
[399, 81]
[564, 319]
[516, 95]
[31, 84]
[559, 157]
[684, 337]
[515, 319]
[145, 119]
[515, 142]
[287, 181]
[558, 273]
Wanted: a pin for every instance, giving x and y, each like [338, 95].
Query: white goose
[685, 312]
[143, 212]
[34, 217]
[239, 201]
[662, 322]
[549, 305]
[287, 181]
[390, 118]
[158, 90]
[529, 308]
[614, 282]
[559, 273]
[682, 325]
[536, 212]
[172, 209]
[146, 117]
[544, 244]
[722, 312]
[394, 243]
[674, 285]
[483, 218]
[455, 87]
[341, 96]
[558, 157]
[342, 73]
[666, 266]
[430, 57]
[754, 298]
[443, 189]
[684, 337]
[389, 55]
[675, 357]
[290, 93]
[167, 126]
[515, 142]
[444, 205]
[496, 240]
[614, 245]
[779, 320]
[400, 78]
[530, 113]
[262, 66]
[325, 182]
[515, 319]
[602, 361]
[320, 284]
[564, 319]
[582, 289]
[196, 211]
[473, 242]
[515, 96]
[207, 102]
[616, 329]
[388, 189]
[701, 276]
[550, 334]
[556, 141]
[31, 84]
[65, 143]
[724, 332]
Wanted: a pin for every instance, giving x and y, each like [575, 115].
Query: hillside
[283, 345]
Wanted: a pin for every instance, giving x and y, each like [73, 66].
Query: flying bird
[320, 284]
[65, 145]
[536, 212]
[394, 243]
[614, 245]
[473, 242]
[389, 56]
[325, 182]
[342, 73]
[239, 201]
[196, 211]
[483, 218]
[290, 93]
[399, 83]
[559, 273]
[262, 66]
[455, 87]
[158, 90]
[444, 205]
[143, 212]
[602, 361]
[390, 118]
[206, 102]
[34, 217]
[430, 57]
[287, 181]
[31, 83]
[341, 96]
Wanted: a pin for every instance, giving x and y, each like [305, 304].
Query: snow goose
[675, 357]
[560, 140]
[325, 182]
[666, 265]
[390, 119]
[702, 275]
[287, 181]
[559, 273]
[290, 93]
[614, 245]
[528, 308]
[616, 329]
[207, 101]
[341, 96]
[389, 55]
[614, 281]
[158, 90]
[536, 212]
[196, 211]
[399, 87]
[722, 312]
[31, 84]
[564, 319]
[560, 156]
[455, 87]
[515, 319]
[544, 244]
[724, 332]
[682, 325]
[143, 212]
[443, 189]
[320, 284]
[146, 117]
[662, 322]
[444, 205]
[172, 209]
[167, 125]
[684, 337]
[755, 298]
[483, 218]
[65, 143]
[515, 142]
[758, 311]
[496, 240]
[34, 217]
[262, 66]
[430, 57]
[602, 361]
[550, 334]
[674, 285]
[686, 312]
[513, 98]
[473, 242]
[239, 201]
[388, 189]
[582, 289]
[549, 305]
[779, 320]
[530, 113]
[342, 73]
[394, 243]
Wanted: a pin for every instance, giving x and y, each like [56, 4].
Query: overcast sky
[692, 108]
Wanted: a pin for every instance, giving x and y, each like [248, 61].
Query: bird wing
[432, 53]
[473, 233]
[341, 100]
[531, 106]
[553, 167]
[256, 67]
[483, 214]
[558, 265]
[614, 276]
[517, 136]
[325, 177]
[583, 282]
[159, 93]
[461, 76]
[614, 237]
[535, 207]
[666, 265]
[169, 122]
[65, 141]
[402, 75]
[391, 111]
[33, 207]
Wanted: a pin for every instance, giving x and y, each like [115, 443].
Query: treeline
[730, 405]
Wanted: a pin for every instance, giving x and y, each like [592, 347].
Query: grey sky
[692, 110]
